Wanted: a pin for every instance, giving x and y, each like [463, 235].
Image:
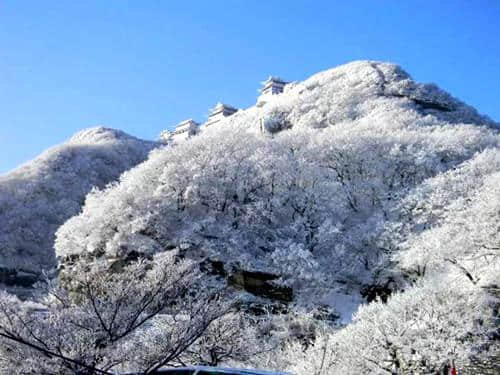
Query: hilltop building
[188, 128]
[182, 131]
[271, 86]
[219, 112]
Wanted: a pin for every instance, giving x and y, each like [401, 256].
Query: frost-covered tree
[231, 337]
[463, 235]
[145, 316]
[419, 330]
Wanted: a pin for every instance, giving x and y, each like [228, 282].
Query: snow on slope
[362, 89]
[308, 186]
[37, 197]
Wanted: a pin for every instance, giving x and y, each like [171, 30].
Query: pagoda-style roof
[186, 125]
[183, 130]
[225, 109]
[273, 85]
[274, 79]
[220, 111]
[186, 122]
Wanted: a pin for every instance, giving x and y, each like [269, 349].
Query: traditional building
[165, 136]
[182, 131]
[219, 112]
[272, 86]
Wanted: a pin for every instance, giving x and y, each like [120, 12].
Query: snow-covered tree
[98, 319]
[464, 234]
[417, 331]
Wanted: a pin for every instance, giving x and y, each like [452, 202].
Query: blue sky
[143, 66]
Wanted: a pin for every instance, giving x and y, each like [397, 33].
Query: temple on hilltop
[271, 86]
[188, 128]
[219, 112]
[182, 131]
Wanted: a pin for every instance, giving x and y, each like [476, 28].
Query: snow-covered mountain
[37, 197]
[357, 189]
[314, 186]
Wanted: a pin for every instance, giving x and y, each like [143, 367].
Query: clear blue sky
[142, 66]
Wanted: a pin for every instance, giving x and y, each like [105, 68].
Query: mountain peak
[100, 134]
[359, 81]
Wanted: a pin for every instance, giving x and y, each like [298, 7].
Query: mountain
[357, 197]
[309, 190]
[39, 196]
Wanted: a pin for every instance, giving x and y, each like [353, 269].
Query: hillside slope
[308, 187]
[37, 197]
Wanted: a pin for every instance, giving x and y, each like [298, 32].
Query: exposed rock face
[261, 284]
[257, 283]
